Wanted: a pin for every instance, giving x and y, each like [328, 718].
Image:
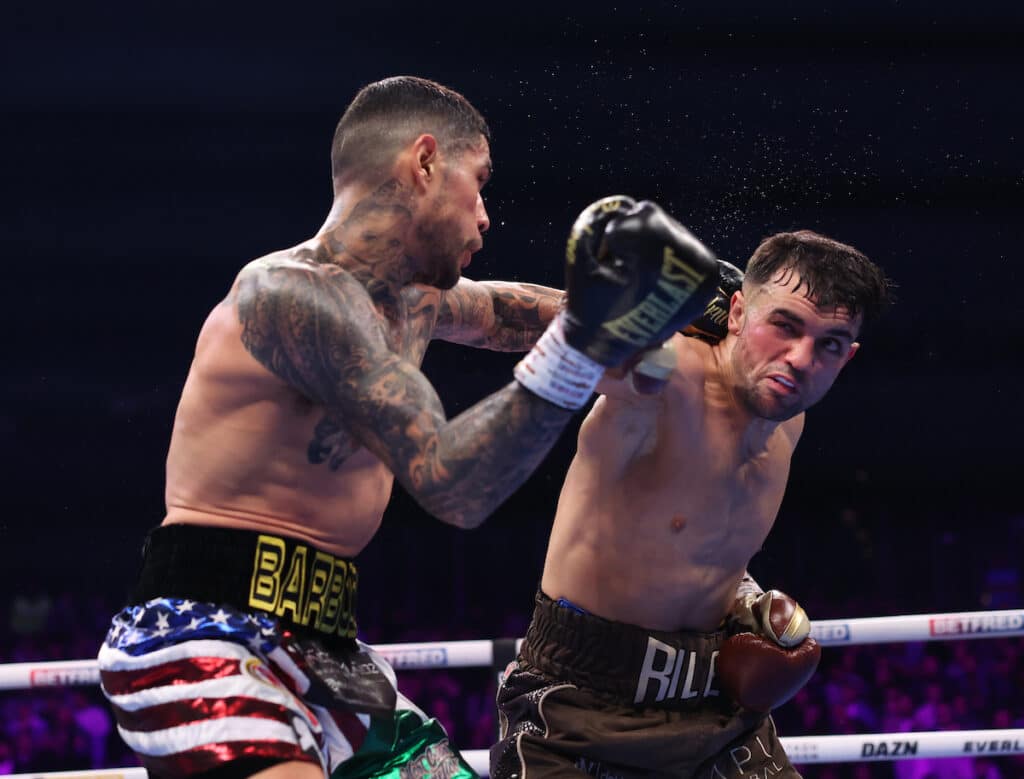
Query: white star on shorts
[220, 617]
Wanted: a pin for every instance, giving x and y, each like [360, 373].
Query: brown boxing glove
[760, 675]
[764, 668]
[772, 614]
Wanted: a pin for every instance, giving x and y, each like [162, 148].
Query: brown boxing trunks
[592, 697]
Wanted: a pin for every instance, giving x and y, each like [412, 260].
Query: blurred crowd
[956, 685]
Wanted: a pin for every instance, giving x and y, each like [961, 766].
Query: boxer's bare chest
[730, 513]
[718, 496]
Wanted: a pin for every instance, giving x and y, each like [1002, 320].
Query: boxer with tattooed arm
[305, 401]
[652, 652]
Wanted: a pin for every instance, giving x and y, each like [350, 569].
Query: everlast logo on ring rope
[311, 588]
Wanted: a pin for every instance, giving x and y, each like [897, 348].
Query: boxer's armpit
[318, 331]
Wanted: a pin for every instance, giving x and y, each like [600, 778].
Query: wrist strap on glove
[558, 372]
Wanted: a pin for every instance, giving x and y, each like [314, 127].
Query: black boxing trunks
[308, 591]
[239, 653]
[592, 697]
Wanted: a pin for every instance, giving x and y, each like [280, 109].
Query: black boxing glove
[633, 277]
[713, 325]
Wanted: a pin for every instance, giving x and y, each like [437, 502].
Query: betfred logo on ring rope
[63, 677]
[425, 657]
[973, 624]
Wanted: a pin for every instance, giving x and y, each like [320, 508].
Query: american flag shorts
[196, 685]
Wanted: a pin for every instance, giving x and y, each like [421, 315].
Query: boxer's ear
[737, 310]
[424, 160]
[854, 348]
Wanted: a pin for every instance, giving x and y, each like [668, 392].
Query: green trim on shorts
[407, 747]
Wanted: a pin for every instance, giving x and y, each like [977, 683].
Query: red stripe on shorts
[212, 756]
[187, 670]
[184, 712]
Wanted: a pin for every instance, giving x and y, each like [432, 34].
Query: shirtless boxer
[305, 400]
[666, 501]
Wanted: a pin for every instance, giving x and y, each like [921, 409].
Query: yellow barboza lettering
[324, 601]
[319, 576]
[348, 627]
[294, 587]
[329, 619]
[265, 586]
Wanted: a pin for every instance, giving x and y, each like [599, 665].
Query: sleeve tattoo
[498, 315]
[316, 329]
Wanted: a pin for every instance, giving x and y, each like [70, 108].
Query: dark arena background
[149, 150]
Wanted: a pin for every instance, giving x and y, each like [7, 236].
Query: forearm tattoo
[316, 328]
[498, 315]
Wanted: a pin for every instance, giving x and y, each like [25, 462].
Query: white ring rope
[801, 750]
[919, 627]
[480, 653]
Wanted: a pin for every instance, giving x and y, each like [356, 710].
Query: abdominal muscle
[639, 562]
[655, 524]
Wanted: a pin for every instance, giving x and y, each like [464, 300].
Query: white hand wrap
[557, 372]
[658, 363]
[650, 374]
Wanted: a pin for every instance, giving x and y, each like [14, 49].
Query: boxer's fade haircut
[830, 273]
[386, 115]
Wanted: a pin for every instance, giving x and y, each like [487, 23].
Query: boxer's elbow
[465, 520]
[461, 516]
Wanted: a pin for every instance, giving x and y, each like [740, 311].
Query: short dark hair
[832, 273]
[387, 114]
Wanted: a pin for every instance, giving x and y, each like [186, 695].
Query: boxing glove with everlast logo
[634, 276]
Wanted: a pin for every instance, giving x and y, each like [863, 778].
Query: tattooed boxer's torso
[248, 450]
[251, 448]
